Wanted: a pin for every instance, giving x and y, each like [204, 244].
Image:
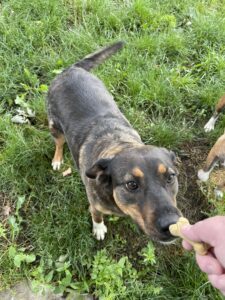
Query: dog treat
[175, 229]
[67, 172]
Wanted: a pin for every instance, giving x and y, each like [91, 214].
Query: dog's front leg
[99, 228]
[59, 139]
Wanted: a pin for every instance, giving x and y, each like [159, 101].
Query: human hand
[212, 232]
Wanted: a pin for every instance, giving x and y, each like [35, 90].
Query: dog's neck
[115, 148]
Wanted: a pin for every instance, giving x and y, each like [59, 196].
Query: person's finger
[186, 245]
[219, 252]
[209, 230]
[218, 281]
[209, 264]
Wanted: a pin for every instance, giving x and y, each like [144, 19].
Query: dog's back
[77, 93]
[78, 101]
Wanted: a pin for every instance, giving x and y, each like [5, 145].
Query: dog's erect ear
[175, 159]
[172, 156]
[100, 170]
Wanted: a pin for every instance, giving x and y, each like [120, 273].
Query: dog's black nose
[164, 222]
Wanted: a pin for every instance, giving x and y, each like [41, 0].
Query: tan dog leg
[57, 160]
[220, 105]
[217, 153]
[218, 109]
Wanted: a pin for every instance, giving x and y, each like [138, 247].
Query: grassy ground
[166, 82]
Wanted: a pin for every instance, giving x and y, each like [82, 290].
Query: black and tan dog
[122, 176]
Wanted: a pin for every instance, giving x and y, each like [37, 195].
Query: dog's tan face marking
[162, 169]
[134, 212]
[130, 210]
[144, 216]
[137, 172]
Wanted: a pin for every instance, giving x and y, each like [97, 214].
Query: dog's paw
[56, 165]
[218, 193]
[209, 126]
[202, 175]
[99, 230]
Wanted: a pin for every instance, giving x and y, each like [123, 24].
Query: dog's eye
[132, 185]
[171, 177]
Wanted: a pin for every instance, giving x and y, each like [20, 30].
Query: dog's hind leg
[216, 154]
[99, 228]
[220, 106]
[59, 139]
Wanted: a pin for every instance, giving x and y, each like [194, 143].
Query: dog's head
[144, 184]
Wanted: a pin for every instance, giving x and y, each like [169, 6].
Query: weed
[18, 257]
[117, 279]
[148, 254]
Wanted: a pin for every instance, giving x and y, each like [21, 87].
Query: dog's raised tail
[96, 58]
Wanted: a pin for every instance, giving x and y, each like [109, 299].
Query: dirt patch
[191, 200]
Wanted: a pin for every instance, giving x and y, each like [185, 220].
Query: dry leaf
[67, 172]
[6, 210]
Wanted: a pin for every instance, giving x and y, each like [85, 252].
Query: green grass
[166, 81]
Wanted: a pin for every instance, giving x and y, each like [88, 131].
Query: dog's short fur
[217, 153]
[121, 175]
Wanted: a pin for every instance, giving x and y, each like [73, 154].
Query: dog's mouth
[165, 239]
[157, 236]
[161, 235]
[169, 242]
[169, 239]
